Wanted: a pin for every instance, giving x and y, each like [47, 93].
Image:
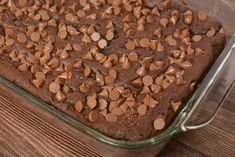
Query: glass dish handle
[207, 101]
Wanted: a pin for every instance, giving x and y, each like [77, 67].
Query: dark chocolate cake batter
[117, 66]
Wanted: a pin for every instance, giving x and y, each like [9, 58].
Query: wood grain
[25, 132]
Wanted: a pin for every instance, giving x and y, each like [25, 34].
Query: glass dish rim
[172, 129]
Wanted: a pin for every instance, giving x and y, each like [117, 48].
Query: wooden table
[27, 131]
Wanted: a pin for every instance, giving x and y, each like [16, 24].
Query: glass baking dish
[210, 94]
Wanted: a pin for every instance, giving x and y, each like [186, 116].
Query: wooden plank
[176, 148]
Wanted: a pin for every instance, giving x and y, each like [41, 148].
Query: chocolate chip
[187, 65]
[142, 109]
[160, 48]
[170, 71]
[87, 71]
[108, 63]
[63, 34]
[9, 42]
[91, 101]
[86, 39]
[109, 35]
[197, 38]
[79, 106]
[126, 63]
[99, 79]
[21, 37]
[158, 32]
[103, 112]
[117, 111]
[72, 31]
[60, 96]
[77, 64]
[169, 78]
[141, 71]
[23, 3]
[126, 93]
[102, 43]
[35, 36]
[130, 45]
[175, 105]
[159, 123]
[84, 88]
[171, 42]
[109, 79]
[137, 82]
[188, 17]
[179, 79]
[93, 116]
[173, 19]
[192, 85]
[112, 105]
[140, 27]
[95, 36]
[81, 14]
[104, 93]
[199, 51]
[155, 11]
[113, 58]
[54, 87]
[190, 50]
[37, 82]
[133, 56]
[110, 117]
[103, 104]
[114, 94]
[40, 75]
[165, 83]
[66, 89]
[71, 18]
[202, 15]
[113, 74]
[211, 32]
[156, 89]
[222, 30]
[144, 42]
[165, 4]
[147, 80]
[164, 22]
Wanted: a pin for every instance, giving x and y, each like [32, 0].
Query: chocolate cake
[117, 66]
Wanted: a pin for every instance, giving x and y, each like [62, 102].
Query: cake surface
[117, 66]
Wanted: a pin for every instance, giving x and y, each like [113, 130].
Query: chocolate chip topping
[79, 106]
[110, 117]
[54, 87]
[159, 123]
[91, 101]
[21, 37]
[176, 105]
[202, 15]
[142, 109]
[114, 94]
[93, 116]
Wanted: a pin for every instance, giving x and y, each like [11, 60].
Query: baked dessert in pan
[117, 66]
